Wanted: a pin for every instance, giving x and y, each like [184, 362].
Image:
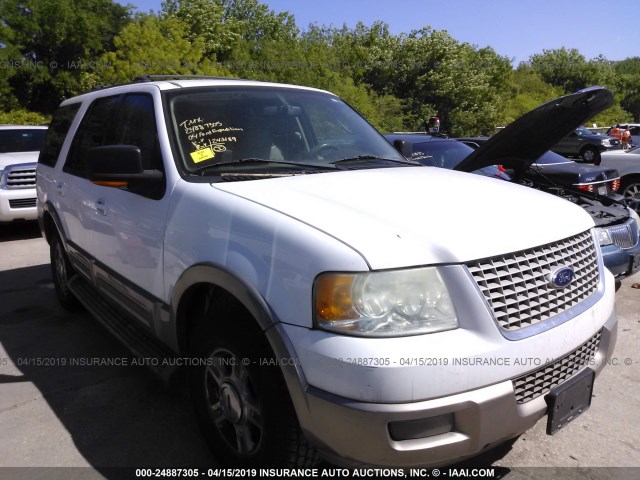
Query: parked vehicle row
[586, 145]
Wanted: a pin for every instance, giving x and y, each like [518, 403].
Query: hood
[408, 216]
[523, 141]
[18, 158]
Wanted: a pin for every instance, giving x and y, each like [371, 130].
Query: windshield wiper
[243, 161]
[360, 158]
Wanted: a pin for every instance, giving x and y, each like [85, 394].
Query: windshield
[224, 127]
[440, 153]
[585, 131]
[19, 140]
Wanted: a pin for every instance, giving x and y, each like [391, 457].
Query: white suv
[19, 148]
[327, 295]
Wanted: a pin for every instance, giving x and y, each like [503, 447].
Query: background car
[436, 151]
[627, 162]
[584, 144]
[19, 149]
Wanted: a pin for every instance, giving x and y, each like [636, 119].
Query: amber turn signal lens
[333, 297]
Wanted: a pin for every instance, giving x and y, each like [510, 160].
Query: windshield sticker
[202, 155]
[208, 138]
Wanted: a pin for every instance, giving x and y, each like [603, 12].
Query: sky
[513, 28]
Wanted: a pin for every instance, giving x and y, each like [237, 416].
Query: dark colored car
[584, 144]
[518, 151]
[436, 151]
[565, 172]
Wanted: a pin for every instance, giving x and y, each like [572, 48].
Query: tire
[243, 408]
[62, 271]
[631, 188]
[590, 155]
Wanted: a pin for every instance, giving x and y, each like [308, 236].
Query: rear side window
[93, 132]
[60, 124]
[117, 120]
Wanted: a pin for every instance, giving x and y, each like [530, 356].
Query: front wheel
[631, 189]
[61, 271]
[591, 155]
[241, 400]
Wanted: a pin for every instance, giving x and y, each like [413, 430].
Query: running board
[154, 354]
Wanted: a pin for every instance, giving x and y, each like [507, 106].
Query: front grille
[517, 287]
[23, 203]
[20, 177]
[624, 236]
[541, 381]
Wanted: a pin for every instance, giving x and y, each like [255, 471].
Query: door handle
[60, 189]
[101, 207]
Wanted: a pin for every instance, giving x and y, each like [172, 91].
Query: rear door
[117, 234]
[569, 145]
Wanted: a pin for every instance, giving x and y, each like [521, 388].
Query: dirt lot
[54, 415]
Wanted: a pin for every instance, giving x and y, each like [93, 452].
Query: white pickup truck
[329, 297]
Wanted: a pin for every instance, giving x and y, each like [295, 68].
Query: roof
[172, 82]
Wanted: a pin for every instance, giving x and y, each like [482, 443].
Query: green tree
[151, 45]
[570, 70]
[221, 24]
[434, 74]
[54, 43]
[627, 75]
[526, 91]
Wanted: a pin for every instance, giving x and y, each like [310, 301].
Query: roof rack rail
[153, 78]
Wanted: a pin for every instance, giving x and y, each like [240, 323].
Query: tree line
[54, 50]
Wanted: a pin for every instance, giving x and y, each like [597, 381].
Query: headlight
[605, 142]
[384, 304]
[604, 238]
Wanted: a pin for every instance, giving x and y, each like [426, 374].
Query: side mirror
[120, 166]
[405, 148]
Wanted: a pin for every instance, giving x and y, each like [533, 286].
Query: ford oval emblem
[561, 277]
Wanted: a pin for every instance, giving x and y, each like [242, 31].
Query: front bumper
[18, 204]
[621, 262]
[352, 433]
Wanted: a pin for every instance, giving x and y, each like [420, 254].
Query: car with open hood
[514, 153]
[556, 169]
[516, 149]
[327, 296]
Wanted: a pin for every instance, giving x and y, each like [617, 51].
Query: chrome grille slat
[516, 285]
[540, 382]
[20, 177]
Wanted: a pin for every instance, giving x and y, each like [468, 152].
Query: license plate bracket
[569, 400]
[603, 191]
